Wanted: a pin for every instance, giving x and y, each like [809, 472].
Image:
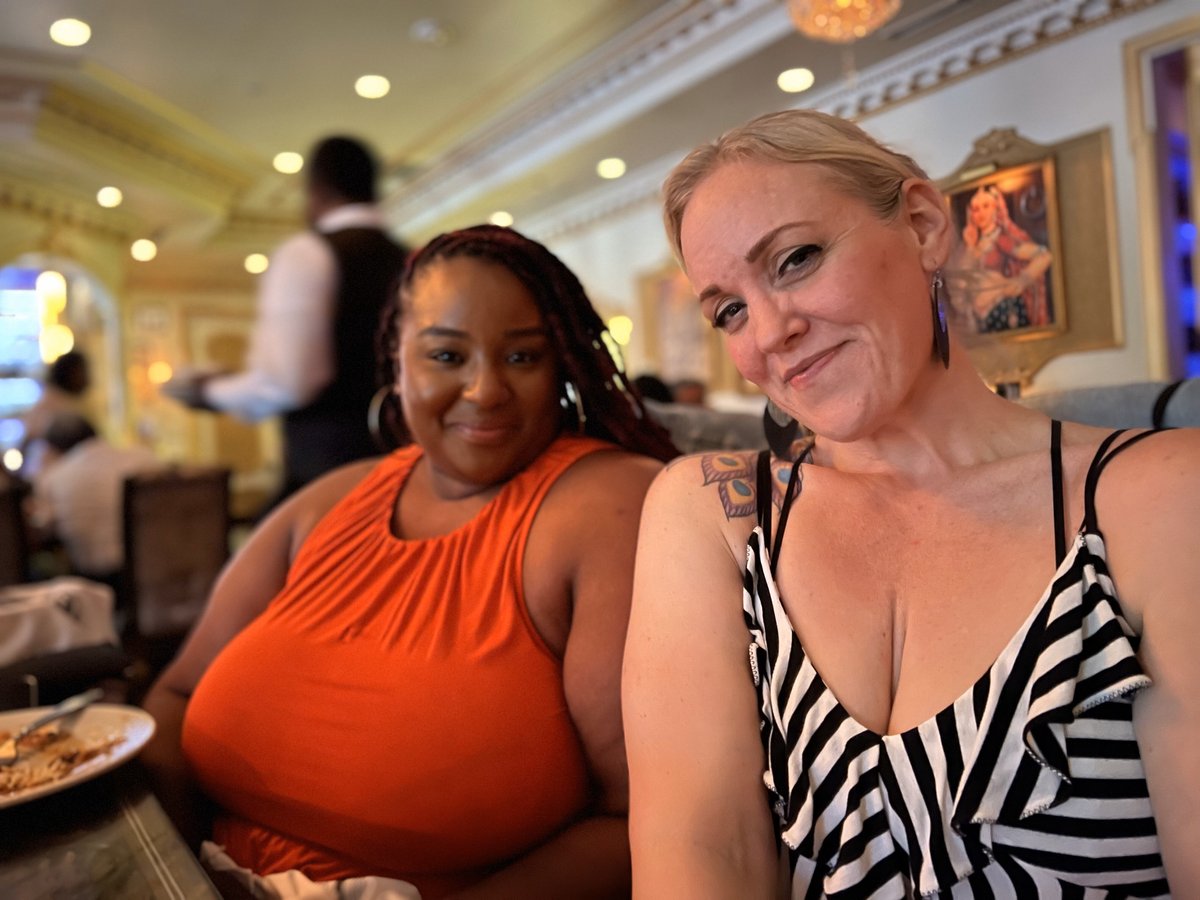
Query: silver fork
[9, 750]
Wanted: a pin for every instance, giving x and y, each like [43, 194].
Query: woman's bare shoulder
[721, 483]
[1159, 475]
[300, 513]
[609, 476]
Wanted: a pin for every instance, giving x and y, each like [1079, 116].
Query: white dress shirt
[81, 496]
[291, 349]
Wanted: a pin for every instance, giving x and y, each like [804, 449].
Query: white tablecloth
[55, 615]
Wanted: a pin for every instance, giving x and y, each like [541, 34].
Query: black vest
[332, 429]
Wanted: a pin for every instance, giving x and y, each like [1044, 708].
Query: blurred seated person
[78, 496]
[67, 379]
[424, 651]
[651, 387]
[690, 391]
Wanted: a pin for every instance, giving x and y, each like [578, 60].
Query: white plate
[132, 725]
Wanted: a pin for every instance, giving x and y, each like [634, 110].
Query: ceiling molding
[1011, 31]
[57, 208]
[256, 231]
[630, 74]
[994, 39]
[20, 102]
[75, 110]
[138, 148]
[636, 188]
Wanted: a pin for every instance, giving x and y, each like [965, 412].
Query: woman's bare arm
[595, 523]
[1149, 508]
[699, 822]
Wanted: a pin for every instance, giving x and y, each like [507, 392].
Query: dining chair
[176, 529]
[14, 539]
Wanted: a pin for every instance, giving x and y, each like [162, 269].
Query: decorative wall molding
[178, 290]
[994, 39]
[654, 60]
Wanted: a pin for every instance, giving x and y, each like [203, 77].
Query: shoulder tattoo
[735, 477]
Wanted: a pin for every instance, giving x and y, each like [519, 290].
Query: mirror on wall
[1176, 81]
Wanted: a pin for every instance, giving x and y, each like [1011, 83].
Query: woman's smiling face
[478, 373]
[823, 304]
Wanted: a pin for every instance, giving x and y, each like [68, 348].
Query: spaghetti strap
[762, 497]
[1056, 486]
[1103, 456]
[789, 495]
[763, 501]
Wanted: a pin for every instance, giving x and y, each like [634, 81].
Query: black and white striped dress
[1030, 784]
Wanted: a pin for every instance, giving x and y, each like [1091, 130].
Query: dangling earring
[573, 398]
[941, 332]
[780, 429]
[384, 419]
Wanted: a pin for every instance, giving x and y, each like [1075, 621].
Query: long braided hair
[588, 359]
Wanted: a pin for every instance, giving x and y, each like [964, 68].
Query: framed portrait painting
[1002, 275]
[1033, 271]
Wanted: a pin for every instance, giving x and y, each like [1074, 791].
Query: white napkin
[293, 885]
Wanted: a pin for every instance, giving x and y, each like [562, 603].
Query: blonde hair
[861, 166]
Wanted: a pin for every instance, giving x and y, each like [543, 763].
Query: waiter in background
[311, 357]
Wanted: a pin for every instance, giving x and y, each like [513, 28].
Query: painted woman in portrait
[1002, 270]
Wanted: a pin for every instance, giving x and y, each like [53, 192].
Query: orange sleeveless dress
[393, 711]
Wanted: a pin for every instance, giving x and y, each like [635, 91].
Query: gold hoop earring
[375, 419]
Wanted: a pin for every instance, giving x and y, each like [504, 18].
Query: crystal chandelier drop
[840, 21]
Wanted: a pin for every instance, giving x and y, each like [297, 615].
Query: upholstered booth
[696, 429]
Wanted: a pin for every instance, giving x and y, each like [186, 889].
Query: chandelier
[840, 21]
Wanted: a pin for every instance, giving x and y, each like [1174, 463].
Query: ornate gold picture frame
[1033, 274]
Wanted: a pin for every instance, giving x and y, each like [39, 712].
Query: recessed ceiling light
[108, 197]
[501, 218]
[288, 163]
[794, 81]
[256, 263]
[372, 87]
[613, 167]
[143, 250]
[70, 32]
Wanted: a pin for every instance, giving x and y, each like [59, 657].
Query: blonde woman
[950, 649]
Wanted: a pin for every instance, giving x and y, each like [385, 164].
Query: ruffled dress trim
[854, 806]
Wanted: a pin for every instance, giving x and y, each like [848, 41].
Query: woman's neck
[951, 421]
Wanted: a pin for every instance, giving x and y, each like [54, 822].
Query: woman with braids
[410, 674]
